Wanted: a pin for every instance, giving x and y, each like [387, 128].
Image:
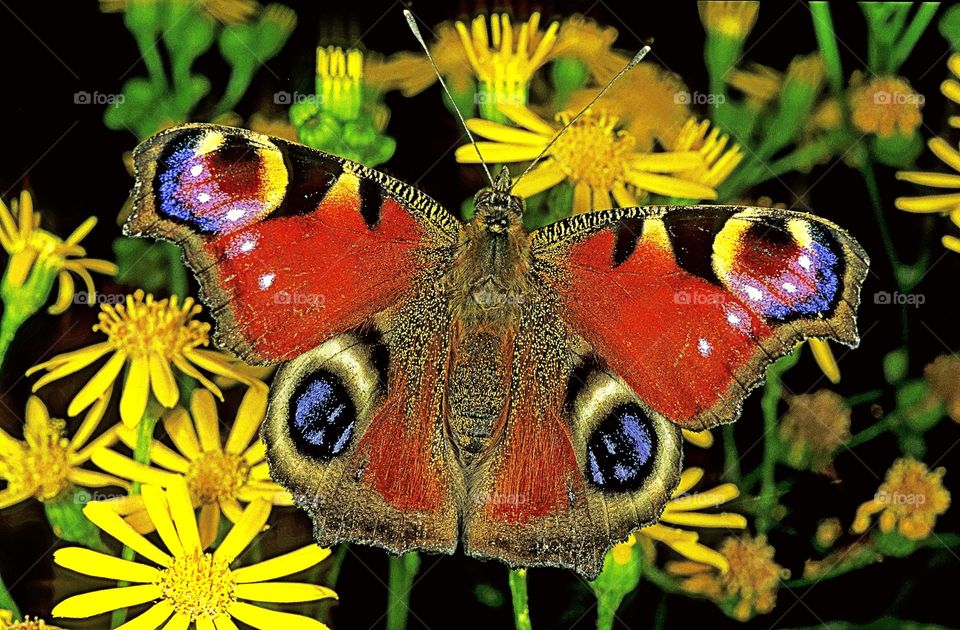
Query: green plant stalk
[876, 429]
[6, 600]
[399, 584]
[661, 579]
[864, 398]
[141, 455]
[237, 85]
[521, 604]
[731, 456]
[827, 42]
[772, 393]
[911, 35]
[801, 157]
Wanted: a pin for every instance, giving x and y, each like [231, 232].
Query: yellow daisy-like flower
[683, 510]
[32, 248]
[948, 203]
[504, 56]
[718, 159]
[909, 500]
[221, 475]
[943, 375]
[885, 106]
[594, 155]
[657, 117]
[814, 427]
[7, 623]
[226, 11]
[45, 464]
[729, 19]
[151, 337]
[750, 583]
[186, 584]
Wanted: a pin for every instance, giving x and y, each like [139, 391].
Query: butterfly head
[497, 209]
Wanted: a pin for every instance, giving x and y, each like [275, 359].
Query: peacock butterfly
[520, 392]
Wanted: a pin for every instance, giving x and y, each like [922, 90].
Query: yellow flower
[594, 155]
[7, 623]
[220, 474]
[951, 87]
[909, 500]
[814, 427]
[655, 118]
[749, 586]
[340, 81]
[504, 57]
[885, 106]
[828, 531]
[583, 39]
[185, 584]
[943, 375]
[729, 19]
[226, 11]
[718, 161]
[683, 510]
[32, 248]
[151, 337]
[45, 464]
[948, 203]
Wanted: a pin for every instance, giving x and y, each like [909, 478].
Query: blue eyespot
[322, 416]
[620, 452]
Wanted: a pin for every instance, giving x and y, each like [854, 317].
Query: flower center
[198, 586]
[144, 326]
[886, 106]
[593, 151]
[43, 464]
[216, 475]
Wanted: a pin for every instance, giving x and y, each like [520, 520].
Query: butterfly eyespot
[322, 415]
[621, 450]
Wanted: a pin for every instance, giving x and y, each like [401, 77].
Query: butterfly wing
[689, 305]
[291, 245]
[355, 430]
[582, 461]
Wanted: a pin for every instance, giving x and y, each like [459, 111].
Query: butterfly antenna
[627, 68]
[412, 23]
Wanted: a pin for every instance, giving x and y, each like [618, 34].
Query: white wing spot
[235, 214]
[196, 169]
[203, 197]
[754, 293]
[705, 347]
[266, 280]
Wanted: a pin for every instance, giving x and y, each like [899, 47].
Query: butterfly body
[519, 394]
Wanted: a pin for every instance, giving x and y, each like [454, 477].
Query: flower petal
[151, 619]
[204, 411]
[495, 152]
[703, 439]
[136, 391]
[101, 565]
[105, 600]
[244, 531]
[249, 417]
[179, 621]
[670, 186]
[209, 523]
[727, 520]
[181, 509]
[91, 421]
[109, 521]
[123, 466]
[264, 619]
[68, 363]
[155, 502]
[98, 384]
[503, 133]
[282, 566]
[544, 176]
[284, 592]
[164, 384]
[179, 427]
[525, 118]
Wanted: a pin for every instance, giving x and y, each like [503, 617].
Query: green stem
[731, 456]
[864, 398]
[874, 430]
[827, 42]
[661, 579]
[911, 35]
[803, 157]
[141, 454]
[6, 600]
[400, 582]
[8, 331]
[521, 605]
[772, 393]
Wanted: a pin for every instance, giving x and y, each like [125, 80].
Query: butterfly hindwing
[355, 429]
[291, 245]
[690, 304]
[581, 461]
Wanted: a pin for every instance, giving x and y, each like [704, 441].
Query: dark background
[72, 163]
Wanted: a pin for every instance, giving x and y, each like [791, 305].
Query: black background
[63, 153]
